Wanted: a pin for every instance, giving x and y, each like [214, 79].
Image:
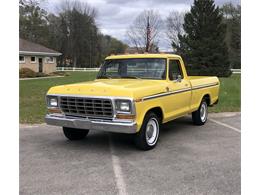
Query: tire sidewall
[196, 114]
[140, 138]
[206, 106]
[157, 132]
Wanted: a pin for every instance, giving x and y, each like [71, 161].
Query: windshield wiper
[130, 77]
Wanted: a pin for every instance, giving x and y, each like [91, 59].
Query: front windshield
[143, 68]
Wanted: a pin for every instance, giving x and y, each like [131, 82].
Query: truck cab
[132, 94]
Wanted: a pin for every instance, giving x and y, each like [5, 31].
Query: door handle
[186, 85]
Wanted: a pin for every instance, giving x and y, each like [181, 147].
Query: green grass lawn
[230, 95]
[32, 95]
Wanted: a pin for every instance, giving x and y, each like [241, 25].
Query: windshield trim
[147, 78]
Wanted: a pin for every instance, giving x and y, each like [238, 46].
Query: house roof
[30, 48]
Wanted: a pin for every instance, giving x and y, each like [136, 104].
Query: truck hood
[133, 88]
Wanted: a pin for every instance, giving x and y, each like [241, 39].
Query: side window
[49, 59]
[175, 69]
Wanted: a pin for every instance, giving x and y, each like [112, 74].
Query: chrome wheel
[152, 130]
[203, 112]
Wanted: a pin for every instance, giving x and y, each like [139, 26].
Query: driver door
[179, 101]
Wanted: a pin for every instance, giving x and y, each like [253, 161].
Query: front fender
[143, 107]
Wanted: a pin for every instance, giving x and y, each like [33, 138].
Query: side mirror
[179, 77]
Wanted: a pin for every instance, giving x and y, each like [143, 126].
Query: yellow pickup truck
[132, 94]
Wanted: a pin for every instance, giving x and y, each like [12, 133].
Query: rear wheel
[75, 134]
[148, 135]
[200, 116]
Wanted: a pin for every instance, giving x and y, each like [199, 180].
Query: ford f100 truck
[132, 94]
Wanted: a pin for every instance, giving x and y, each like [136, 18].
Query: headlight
[52, 101]
[123, 105]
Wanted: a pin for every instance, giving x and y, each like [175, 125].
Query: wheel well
[158, 111]
[207, 98]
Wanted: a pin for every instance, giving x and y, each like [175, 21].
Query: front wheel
[200, 116]
[74, 134]
[148, 135]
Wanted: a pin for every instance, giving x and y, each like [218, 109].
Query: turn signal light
[138, 100]
[125, 116]
[54, 110]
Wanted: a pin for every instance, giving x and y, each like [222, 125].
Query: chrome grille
[81, 106]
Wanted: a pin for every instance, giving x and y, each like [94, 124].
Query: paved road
[187, 160]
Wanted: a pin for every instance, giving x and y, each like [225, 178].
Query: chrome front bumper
[101, 125]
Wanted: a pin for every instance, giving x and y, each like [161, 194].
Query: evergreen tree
[235, 44]
[232, 18]
[203, 44]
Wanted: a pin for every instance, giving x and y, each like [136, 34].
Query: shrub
[59, 73]
[66, 74]
[26, 73]
[41, 74]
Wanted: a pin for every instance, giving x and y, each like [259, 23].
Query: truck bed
[203, 85]
[202, 80]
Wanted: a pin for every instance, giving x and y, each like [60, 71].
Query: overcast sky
[115, 16]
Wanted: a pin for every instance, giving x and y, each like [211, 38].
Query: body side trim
[166, 94]
[205, 86]
[179, 91]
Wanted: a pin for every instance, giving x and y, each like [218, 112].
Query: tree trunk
[75, 62]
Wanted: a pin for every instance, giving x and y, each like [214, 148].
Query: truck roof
[148, 55]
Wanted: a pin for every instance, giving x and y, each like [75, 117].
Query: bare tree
[80, 33]
[145, 30]
[174, 28]
[81, 7]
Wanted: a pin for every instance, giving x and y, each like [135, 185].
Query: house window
[21, 59]
[33, 59]
[49, 59]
